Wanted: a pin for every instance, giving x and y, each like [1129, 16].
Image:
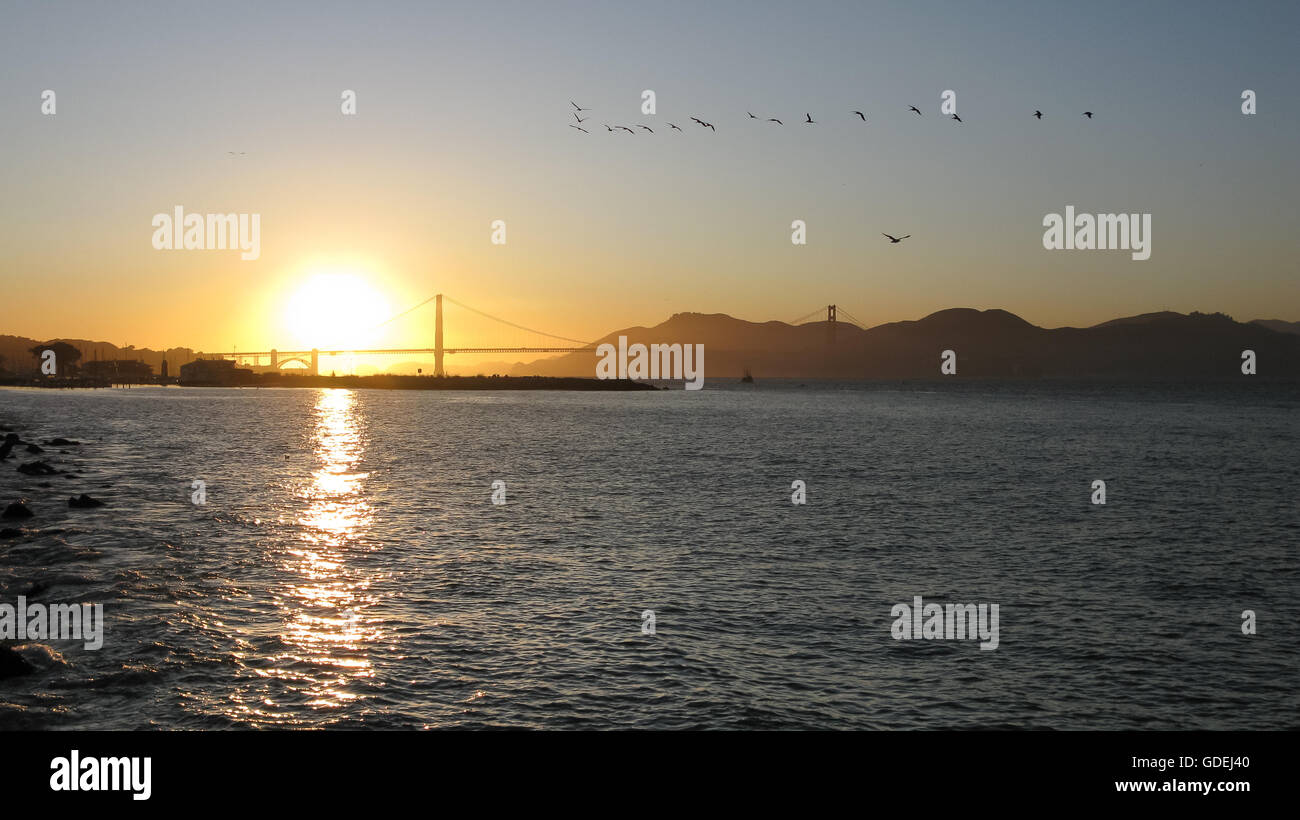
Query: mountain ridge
[990, 343]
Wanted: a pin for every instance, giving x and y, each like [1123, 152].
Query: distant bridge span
[311, 358]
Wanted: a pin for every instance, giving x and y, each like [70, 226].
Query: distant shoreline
[377, 382]
[390, 382]
[578, 384]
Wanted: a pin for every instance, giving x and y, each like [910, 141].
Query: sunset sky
[462, 118]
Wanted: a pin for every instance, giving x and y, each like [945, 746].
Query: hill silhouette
[1279, 325]
[988, 343]
[16, 356]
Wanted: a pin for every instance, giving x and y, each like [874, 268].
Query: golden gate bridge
[275, 359]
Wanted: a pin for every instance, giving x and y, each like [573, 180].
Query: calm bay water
[349, 570]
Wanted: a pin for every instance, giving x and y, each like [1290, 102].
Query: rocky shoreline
[27, 506]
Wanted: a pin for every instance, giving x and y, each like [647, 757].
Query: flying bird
[607, 128]
[917, 110]
[580, 128]
[1087, 114]
[810, 120]
[625, 128]
[751, 116]
[697, 119]
[957, 118]
[860, 114]
[710, 125]
[575, 105]
[580, 119]
[674, 126]
[775, 120]
[895, 240]
[1038, 115]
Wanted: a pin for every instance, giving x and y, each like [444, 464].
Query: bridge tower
[275, 360]
[437, 337]
[830, 324]
[315, 362]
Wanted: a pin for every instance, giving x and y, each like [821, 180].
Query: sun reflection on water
[326, 634]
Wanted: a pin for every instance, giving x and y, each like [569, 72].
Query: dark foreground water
[350, 570]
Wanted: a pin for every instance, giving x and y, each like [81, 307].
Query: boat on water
[748, 378]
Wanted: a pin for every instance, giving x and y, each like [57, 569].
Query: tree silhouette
[65, 356]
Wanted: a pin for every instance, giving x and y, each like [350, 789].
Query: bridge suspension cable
[416, 307]
[403, 313]
[821, 311]
[808, 316]
[512, 324]
[851, 318]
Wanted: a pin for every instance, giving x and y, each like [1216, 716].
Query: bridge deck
[243, 354]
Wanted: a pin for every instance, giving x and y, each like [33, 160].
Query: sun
[336, 311]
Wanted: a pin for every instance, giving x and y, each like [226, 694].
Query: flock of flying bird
[808, 120]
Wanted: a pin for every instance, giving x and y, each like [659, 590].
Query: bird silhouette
[575, 105]
[710, 125]
[917, 110]
[810, 120]
[580, 128]
[625, 128]
[775, 120]
[1087, 114]
[673, 126]
[646, 127]
[1038, 115]
[697, 119]
[607, 128]
[751, 116]
[895, 240]
[957, 118]
[580, 119]
[860, 114]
